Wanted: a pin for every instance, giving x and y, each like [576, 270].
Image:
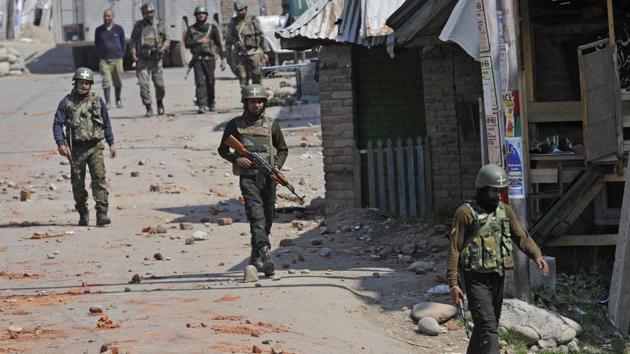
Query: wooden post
[10, 33]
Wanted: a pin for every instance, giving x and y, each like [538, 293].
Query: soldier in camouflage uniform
[245, 38]
[149, 41]
[202, 38]
[84, 116]
[481, 245]
[261, 134]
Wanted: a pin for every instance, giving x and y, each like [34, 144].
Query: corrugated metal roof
[414, 16]
[342, 21]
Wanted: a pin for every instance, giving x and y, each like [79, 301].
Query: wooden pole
[10, 13]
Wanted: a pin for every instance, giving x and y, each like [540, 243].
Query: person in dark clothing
[202, 38]
[481, 244]
[84, 116]
[109, 40]
[262, 135]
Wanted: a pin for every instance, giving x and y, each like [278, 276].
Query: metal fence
[398, 175]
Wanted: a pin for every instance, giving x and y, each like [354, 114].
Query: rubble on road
[11, 62]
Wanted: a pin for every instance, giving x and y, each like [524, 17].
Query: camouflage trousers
[147, 69]
[249, 67]
[111, 71]
[88, 155]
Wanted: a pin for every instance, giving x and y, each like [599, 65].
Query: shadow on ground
[54, 61]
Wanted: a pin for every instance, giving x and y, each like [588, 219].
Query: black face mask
[484, 201]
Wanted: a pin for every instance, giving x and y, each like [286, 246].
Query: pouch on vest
[84, 118]
[256, 137]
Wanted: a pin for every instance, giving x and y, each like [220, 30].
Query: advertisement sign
[514, 168]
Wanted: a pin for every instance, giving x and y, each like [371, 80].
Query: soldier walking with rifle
[84, 116]
[202, 38]
[261, 135]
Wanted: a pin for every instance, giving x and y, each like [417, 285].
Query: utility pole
[10, 13]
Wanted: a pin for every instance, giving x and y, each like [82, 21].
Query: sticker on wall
[514, 168]
[493, 139]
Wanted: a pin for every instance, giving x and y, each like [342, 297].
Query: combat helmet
[147, 7]
[491, 175]
[253, 91]
[201, 10]
[240, 4]
[83, 73]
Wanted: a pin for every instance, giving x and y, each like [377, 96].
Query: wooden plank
[381, 175]
[371, 182]
[422, 189]
[411, 177]
[584, 200]
[559, 111]
[582, 240]
[550, 175]
[527, 37]
[619, 294]
[428, 165]
[611, 22]
[390, 176]
[402, 193]
[556, 157]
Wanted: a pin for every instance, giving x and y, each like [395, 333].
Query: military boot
[101, 216]
[118, 99]
[149, 110]
[106, 93]
[84, 218]
[268, 266]
[255, 260]
[201, 109]
[160, 107]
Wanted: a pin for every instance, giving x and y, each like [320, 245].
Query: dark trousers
[259, 192]
[485, 299]
[204, 81]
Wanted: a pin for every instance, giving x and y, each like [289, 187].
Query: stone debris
[158, 256]
[136, 279]
[96, 309]
[286, 242]
[428, 325]
[224, 221]
[134, 173]
[250, 274]
[186, 226]
[420, 267]
[440, 312]
[325, 252]
[200, 236]
[189, 241]
[14, 329]
[160, 229]
[11, 62]
[154, 187]
[106, 323]
[25, 195]
[256, 349]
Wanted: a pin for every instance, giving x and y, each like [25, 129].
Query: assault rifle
[269, 170]
[462, 312]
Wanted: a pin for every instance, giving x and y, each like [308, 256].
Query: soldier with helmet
[202, 38]
[148, 42]
[245, 39]
[261, 134]
[481, 244]
[84, 116]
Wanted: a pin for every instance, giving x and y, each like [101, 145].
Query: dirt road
[193, 300]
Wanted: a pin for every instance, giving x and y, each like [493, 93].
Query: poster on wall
[514, 168]
[493, 139]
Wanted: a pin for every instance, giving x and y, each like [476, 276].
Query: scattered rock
[96, 309]
[154, 187]
[573, 347]
[563, 349]
[546, 343]
[292, 271]
[200, 235]
[140, 162]
[105, 322]
[189, 241]
[528, 333]
[50, 256]
[136, 279]
[251, 274]
[25, 195]
[286, 242]
[135, 173]
[14, 329]
[305, 271]
[430, 326]
[408, 248]
[158, 256]
[255, 349]
[317, 242]
[385, 251]
[439, 312]
[420, 267]
[185, 226]
[160, 229]
[325, 252]
[204, 220]
[225, 221]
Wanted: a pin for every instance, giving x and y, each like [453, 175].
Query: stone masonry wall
[451, 78]
[338, 131]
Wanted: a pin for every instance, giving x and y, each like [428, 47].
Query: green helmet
[147, 7]
[240, 4]
[253, 91]
[201, 10]
[83, 73]
[491, 175]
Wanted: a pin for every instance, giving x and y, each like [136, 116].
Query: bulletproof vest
[149, 35]
[199, 32]
[247, 33]
[83, 117]
[256, 137]
[490, 248]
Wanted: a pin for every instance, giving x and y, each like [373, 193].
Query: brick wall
[452, 81]
[338, 132]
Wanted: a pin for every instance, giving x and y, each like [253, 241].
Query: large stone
[430, 326]
[435, 310]
[529, 334]
[200, 235]
[526, 319]
[573, 347]
[251, 274]
[5, 67]
[408, 248]
[420, 267]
